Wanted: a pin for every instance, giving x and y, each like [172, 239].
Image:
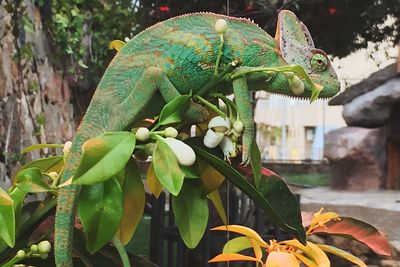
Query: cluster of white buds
[184, 153]
[221, 132]
[36, 250]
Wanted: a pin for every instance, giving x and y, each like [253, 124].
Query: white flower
[228, 148]
[220, 26]
[238, 126]
[184, 153]
[142, 134]
[220, 124]
[212, 139]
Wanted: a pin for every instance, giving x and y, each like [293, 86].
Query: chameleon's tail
[66, 206]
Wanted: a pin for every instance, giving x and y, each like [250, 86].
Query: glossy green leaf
[104, 157]
[236, 244]
[255, 162]
[46, 165]
[31, 180]
[358, 230]
[18, 197]
[134, 201]
[40, 146]
[190, 172]
[100, 209]
[191, 213]
[281, 205]
[166, 167]
[7, 224]
[173, 110]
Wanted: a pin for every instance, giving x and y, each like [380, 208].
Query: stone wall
[35, 100]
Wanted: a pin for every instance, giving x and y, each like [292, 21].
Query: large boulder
[373, 108]
[356, 158]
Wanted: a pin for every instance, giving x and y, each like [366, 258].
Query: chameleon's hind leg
[153, 79]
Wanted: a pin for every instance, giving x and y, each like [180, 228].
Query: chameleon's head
[296, 47]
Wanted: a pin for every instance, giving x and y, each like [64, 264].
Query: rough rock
[356, 158]
[390, 263]
[373, 108]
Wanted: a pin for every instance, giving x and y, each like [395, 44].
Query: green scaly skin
[177, 57]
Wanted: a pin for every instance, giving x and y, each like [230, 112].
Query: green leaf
[166, 167]
[190, 172]
[237, 244]
[104, 157]
[255, 161]
[100, 209]
[191, 213]
[358, 230]
[134, 201]
[40, 146]
[343, 254]
[7, 224]
[287, 215]
[172, 111]
[18, 197]
[46, 165]
[31, 181]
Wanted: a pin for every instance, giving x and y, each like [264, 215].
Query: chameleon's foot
[196, 113]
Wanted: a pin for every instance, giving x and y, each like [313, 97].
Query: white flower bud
[296, 85]
[212, 139]
[220, 124]
[34, 248]
[171, 132]
[21, 254]
[126, 39]
[238, 126]
[44, 246]
[184, 153]
[220, 26]
[53, 176]
[67, 148]
[142, 134]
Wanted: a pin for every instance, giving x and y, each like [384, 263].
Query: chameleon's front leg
[245, 111]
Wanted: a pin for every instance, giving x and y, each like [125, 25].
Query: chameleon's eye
[319, 62]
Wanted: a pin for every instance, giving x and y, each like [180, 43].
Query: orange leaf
[210, 177]
[281, 259]
[116, 44]
[153, 184]
[233, 257]
[358, 230]
[256, 248]
[244, 231]
[306, 260]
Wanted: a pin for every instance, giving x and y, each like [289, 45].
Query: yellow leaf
[306, 260]
[256, 248]
[116, 44]
[343, 254]
[244, 231]
[215, 198]
[233, 257]
[153, 184]
[236, 244]
[210, 177]
[313, 251]
[5, 199]
[320, 218]
[134, 202]
[281, 259]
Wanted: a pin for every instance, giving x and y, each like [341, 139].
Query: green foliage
[31, 180]
[100, 209]
[172, 111]
[166, 167]
[191, 213]
[7, 219]
[104, 157]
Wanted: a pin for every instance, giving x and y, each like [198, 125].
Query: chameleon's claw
[245, 159]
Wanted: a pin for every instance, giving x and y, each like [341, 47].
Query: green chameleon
[186, 55]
